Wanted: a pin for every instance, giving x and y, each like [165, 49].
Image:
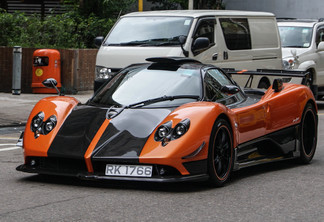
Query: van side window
[205, 28]
[320, 35]
[236, 32]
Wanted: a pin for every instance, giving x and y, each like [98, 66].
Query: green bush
[68, 30]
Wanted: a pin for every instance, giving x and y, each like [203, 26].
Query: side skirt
[277, 146]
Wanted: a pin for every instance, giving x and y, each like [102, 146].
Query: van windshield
[295, 37]
[148, 31]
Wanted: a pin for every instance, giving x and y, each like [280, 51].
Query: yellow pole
[140, 5]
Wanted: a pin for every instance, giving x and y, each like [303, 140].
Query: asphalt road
[284, 191]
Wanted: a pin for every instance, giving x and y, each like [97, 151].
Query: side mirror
[230, 89]
[200, 44]
[98, 41]
[182, 39]
[51, 83]
[320, 47]
[277, 85]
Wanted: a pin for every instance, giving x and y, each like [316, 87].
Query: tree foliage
[101, 8]
[169, 4]
[183, 4]
[75, 29]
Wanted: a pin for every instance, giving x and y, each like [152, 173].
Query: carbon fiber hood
[127, 133]
[123, 138]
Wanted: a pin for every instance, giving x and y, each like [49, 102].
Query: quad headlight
[163, 131]
[49, 124]
[38, 126]
[37, 121]
[181, 128]
[166, 133]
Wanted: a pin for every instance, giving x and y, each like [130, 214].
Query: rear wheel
[308, 134]
[220, 153]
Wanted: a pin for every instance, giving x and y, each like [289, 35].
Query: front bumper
[94, 176]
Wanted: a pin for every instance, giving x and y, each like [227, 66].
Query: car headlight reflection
[163, 131]
[38, 126]
[288, 63]
[49, 124]
[103, 72]
[166, 133]
[181, 128]
[37, 121]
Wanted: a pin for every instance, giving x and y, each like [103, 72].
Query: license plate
[128, 170]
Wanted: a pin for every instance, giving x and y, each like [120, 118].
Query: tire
[220, 153]
[308, 81]
[308, 134]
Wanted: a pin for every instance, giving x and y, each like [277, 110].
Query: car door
[251, 121]
[206, 27]
[282, 111]
[319, 56]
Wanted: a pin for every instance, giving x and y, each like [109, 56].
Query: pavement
[15, 109]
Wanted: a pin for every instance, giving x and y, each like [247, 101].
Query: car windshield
[148, 31]
[152, 85]
[295, 37]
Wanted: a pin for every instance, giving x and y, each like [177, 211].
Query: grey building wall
[306, 9]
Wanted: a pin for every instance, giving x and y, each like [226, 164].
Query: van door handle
[225, 55]
[215, 56]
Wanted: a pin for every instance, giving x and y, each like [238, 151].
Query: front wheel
[220, 153]
[308, 134]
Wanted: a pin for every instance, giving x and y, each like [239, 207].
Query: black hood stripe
[127, 133]
[77, 132]
[124, 137]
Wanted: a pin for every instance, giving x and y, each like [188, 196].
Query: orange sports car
[173, 119]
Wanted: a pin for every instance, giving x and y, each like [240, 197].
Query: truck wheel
[308, 81]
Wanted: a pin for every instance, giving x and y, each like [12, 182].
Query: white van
[303, 49]
[227, 39]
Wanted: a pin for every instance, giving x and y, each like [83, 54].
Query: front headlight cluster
[166, 133]
[103, 72]
[288, 63]
[39, 126]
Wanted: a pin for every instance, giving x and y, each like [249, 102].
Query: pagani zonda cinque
[173, 119]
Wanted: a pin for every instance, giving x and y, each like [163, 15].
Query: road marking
[9, 148]
[9, 138]
[8, 144]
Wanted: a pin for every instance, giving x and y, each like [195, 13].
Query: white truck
[302, 44]
[227, 39]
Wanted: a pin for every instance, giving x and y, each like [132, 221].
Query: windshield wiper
[151, 42]
[134, 42]
[160, 99]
